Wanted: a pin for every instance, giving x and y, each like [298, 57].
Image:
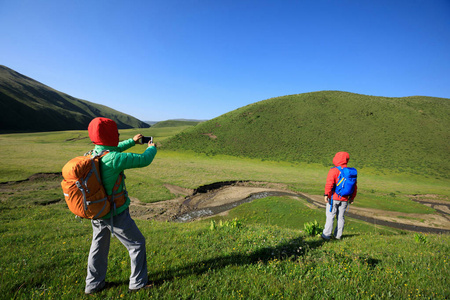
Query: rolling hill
[27, 105]
[404, 134]
[175, 123]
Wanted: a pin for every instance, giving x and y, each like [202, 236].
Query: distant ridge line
[27, 105]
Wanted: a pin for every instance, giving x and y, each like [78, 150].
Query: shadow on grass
[289, 250]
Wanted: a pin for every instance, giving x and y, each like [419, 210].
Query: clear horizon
[199, 59]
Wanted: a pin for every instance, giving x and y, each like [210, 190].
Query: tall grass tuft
[313, 228]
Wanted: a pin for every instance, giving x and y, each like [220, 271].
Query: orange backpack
[83, 189]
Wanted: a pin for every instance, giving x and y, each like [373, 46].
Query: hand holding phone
[146, 139]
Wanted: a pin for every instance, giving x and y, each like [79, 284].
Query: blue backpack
[346, 181]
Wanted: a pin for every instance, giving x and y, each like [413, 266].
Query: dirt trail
[218, 198]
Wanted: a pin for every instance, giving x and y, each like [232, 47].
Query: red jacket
[340, 160]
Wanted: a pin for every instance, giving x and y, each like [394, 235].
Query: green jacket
[113, 163]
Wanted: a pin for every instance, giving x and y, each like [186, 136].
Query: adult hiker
[336, 200]
[104, 134]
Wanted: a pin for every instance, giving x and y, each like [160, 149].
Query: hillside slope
[175, 123]
[28, 105]
[404, 134]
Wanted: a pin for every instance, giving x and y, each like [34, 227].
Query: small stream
[210, 211]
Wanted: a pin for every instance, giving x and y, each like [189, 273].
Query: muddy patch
[36, 177]
[40, 189]
[212, 136]
[207, 200]
[225, 207]
[78, 138]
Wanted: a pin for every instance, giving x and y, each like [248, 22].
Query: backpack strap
[332, 192]
[119, 181]
[96, 172]
[340, 170]
[114, 195]
[331, 198]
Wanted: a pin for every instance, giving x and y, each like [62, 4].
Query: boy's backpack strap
[332, 192]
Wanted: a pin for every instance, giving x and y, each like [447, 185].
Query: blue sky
[198, 59]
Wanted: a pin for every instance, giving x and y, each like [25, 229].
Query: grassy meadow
[264, 253]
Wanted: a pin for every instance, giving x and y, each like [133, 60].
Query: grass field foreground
[44, 252]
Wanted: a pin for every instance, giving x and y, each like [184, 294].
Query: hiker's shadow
[291, 250]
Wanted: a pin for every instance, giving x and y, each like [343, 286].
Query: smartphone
[146, 139]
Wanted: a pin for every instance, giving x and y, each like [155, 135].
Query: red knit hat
[103, 131]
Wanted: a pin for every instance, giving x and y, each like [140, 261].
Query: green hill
[175, 123]
[405, 134]
[30, 106]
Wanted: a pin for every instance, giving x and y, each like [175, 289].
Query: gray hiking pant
[338, 211]
[129, 235]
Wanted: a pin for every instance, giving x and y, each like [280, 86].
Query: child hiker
[337, 204]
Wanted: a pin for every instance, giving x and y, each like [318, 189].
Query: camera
[146, 139]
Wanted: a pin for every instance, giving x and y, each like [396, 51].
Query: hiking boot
[99, 288]
[149, 285]
[326, 238]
